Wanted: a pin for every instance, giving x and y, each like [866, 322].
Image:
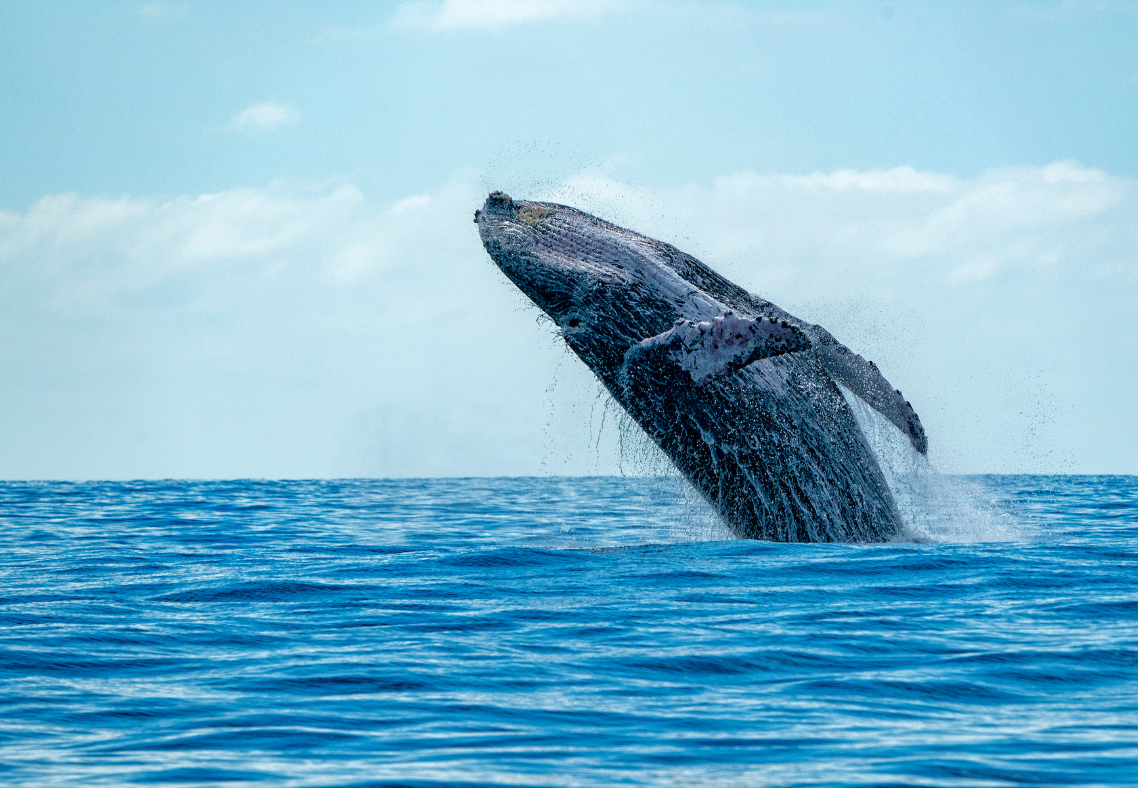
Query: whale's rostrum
[741, 395]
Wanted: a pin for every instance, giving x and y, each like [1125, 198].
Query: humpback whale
[744, 398]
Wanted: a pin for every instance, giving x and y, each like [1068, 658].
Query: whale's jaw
[739, 394]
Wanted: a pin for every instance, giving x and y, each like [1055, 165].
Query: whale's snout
[498, 206]
[568, 262]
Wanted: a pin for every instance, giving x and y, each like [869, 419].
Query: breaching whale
[742, 396]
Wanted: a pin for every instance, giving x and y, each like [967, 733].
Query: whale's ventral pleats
[741, 395]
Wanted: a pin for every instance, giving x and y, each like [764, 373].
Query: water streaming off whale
[934, 507]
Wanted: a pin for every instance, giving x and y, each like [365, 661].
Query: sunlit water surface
[588, 632]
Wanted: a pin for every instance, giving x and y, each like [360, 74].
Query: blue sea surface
[561, 632]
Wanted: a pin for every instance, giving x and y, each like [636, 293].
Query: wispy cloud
[162, 12]
[494, 14]
[263, 117]
[1070, 11]
[1018, 218]
[490, 15]
[272, 301]
[344, 33]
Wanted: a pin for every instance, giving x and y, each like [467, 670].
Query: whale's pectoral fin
[866, 381]
[713, 348]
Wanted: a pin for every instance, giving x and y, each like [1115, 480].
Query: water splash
[934, 507]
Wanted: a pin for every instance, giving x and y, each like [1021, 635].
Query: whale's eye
[574, 323]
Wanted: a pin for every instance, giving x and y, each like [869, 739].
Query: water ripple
[556, 632]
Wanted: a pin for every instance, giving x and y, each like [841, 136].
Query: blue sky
[235, 238]
[127, 98]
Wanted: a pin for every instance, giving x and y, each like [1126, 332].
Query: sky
[236, 240]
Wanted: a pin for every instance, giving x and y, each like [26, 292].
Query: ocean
[559, 632]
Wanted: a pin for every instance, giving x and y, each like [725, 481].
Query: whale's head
[605, 287]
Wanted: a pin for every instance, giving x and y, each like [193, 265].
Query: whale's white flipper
[862, 378]
[708, 349]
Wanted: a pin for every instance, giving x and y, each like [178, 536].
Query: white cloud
[263, 117]
[897, 179]
[108, 251]
[1002, 302]
[160, 12]
[1070, 11]
[277, 333]
[493, 14]
[263, 333]
[1016, 216]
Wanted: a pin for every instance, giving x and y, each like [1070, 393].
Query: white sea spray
[935, 507]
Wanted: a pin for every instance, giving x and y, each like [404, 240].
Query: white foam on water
[934, 507]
